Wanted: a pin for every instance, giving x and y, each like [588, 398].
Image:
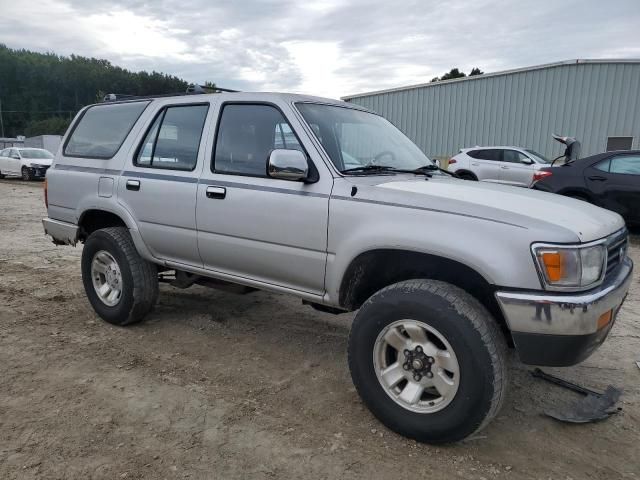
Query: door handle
[133, 185]
[504, 167]
[216, 192]
[597, 178]
[475, 164]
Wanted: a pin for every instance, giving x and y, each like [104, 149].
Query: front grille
[616, 250]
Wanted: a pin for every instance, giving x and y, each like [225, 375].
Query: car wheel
[27, 174]
[1, 175]
[428, 360]
[467, 176]
[121, 286]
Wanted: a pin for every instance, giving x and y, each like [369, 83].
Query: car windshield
[537, 156]
[29, 153]
[363, 141]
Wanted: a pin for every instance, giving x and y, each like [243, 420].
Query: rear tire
[121, 286]
[467, 176]
[27, 175]
[454, 322]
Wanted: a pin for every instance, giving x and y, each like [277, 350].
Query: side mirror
[288, 165]
[527, 161]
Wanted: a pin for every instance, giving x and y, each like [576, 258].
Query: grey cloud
[378, 40]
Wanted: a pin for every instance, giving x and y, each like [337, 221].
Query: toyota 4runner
[331, 203]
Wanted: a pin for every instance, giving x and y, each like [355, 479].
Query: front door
[251, 226]
[616, 184]
[14, 162]
[515, 169]
[159, 186]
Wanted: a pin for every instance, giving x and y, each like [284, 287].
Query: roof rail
[192, 89]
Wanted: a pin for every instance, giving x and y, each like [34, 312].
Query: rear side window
[102, 129]
[173, 140]
[487, 154]
[246, 136]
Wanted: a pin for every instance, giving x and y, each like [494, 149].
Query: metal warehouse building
[595, 101]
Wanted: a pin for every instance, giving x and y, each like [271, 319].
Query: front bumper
[562, 329]
[63, 233]
[38, 172]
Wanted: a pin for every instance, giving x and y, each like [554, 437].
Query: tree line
[41, 92]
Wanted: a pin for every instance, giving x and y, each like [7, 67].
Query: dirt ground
[217, 385]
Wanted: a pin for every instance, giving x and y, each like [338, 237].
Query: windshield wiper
[433, 168]
[369, 168]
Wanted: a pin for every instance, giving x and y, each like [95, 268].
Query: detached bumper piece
[563, 329]
[63, 233]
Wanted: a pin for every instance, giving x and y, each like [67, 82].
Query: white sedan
[28, 163]
[510, 165]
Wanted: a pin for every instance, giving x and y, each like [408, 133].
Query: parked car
[329, 202]
[610, 180]
[28, 163]
[509, 165]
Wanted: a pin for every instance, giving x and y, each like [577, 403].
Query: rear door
[486, 163]
[616, 183]
[159, 184]
[4, 160]
[515, 170]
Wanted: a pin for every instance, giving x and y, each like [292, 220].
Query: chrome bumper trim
[568, 314]
[63, 233]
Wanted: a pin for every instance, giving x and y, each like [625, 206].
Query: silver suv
[329, 202]
[509, 165]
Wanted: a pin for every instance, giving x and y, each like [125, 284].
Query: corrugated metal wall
[589, 101]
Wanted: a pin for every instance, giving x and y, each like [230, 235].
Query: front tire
[27, 174]
[121, 286]
[428, 360]
[467, 176]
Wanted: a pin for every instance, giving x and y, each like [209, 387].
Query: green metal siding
[590, 101]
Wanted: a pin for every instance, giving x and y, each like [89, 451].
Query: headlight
[570, 267]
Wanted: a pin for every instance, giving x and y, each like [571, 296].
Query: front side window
[628, 164]
[246, 136]
[513, 156]
[102, 129]
[173, 140]
[356, 139]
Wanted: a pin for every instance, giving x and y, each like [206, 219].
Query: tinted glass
[102, 129]
[353, 138]
[247, 135]
[538, 156]
[628, 164]
[513, 156]
[604, 165]
[173, 140]
[33, 153]
[486, 154]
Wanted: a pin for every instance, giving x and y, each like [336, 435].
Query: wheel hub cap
[107, 278]
[416, 366]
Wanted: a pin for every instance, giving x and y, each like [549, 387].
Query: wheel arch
[464, 171]
[375, 269]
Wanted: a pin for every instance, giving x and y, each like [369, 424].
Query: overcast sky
[329, 47]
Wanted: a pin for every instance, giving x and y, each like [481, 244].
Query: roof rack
[193, 89]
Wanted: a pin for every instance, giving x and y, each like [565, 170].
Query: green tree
[36, 87]
[456, 73]
[48, 126]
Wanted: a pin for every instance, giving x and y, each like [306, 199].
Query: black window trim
[161, 113]
[84, 112]
[314, 174]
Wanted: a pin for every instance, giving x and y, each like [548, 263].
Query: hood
[45, 162]
[503, 203]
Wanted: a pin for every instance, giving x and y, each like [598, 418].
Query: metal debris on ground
[593, 406]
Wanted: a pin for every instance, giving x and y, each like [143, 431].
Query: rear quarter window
[102, 129]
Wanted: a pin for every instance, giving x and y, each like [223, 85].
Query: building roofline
[492, 74]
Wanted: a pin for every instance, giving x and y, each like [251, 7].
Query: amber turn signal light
[605, 319]
[554, 265]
